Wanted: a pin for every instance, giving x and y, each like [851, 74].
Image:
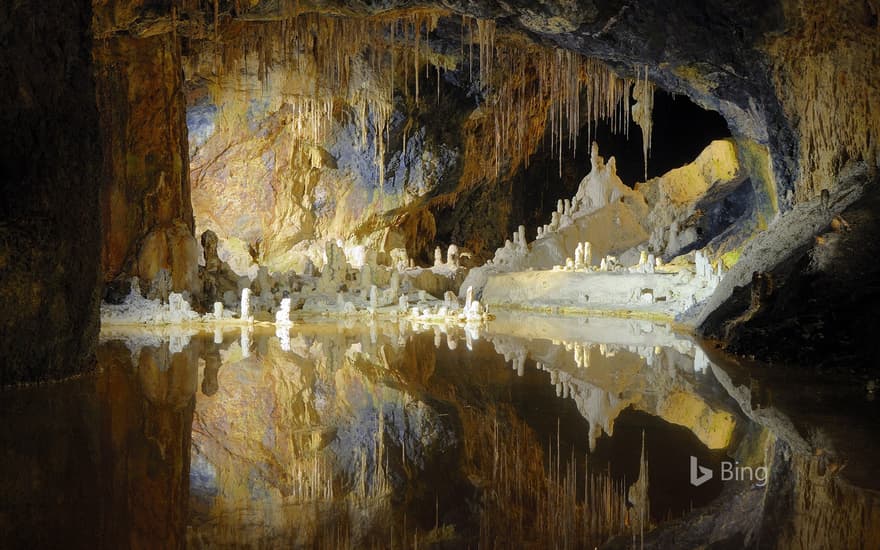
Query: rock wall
[50, 160]
[824, 70]
[807, 294]
[145, 208]
[263, 186]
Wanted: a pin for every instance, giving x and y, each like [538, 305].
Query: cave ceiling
[710, 51]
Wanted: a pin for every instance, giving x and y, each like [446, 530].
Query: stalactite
[486, 38]
[527, 88]
[340, 65]
[825, 74]
[643, 93]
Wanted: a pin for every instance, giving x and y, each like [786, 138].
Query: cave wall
[50, 169]
[269, 189]
[146, 208]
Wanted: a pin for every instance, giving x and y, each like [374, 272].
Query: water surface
[531, 432]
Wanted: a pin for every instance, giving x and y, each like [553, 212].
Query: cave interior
[326, 191]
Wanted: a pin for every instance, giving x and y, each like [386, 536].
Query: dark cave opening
[681, 130]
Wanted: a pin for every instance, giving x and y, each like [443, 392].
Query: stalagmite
[178, 307]
[469, 298]
[588, 254]
[374, 299]
[438, 257]
[403, 304]
[218, 310]
[246, 305]
[395, 285]
[701, 362]
[452, 259]
[366, 276]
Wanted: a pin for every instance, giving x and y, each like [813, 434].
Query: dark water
[529, 434]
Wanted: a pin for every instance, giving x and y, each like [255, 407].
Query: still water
[532, 432]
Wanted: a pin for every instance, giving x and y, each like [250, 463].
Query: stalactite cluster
[338, 66]
[825, 73]
[329, 63]
[530, 87]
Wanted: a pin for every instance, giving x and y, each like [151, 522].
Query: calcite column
[146, 208]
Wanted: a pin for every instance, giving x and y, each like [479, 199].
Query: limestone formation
[217, 277]
[374, 299]
[245, 309]
[394, 285]
[452, 259]
[366, 277]
[159, 287]
[172, 249]
[335, 269]
[399, 259]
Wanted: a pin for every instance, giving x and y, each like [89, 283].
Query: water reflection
[528, 432]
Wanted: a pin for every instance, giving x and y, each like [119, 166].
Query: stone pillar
[146, 209]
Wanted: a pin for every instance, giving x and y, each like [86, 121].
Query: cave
[334, 274]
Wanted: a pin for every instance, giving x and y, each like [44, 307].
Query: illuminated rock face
[145, 181]
[282, 190]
